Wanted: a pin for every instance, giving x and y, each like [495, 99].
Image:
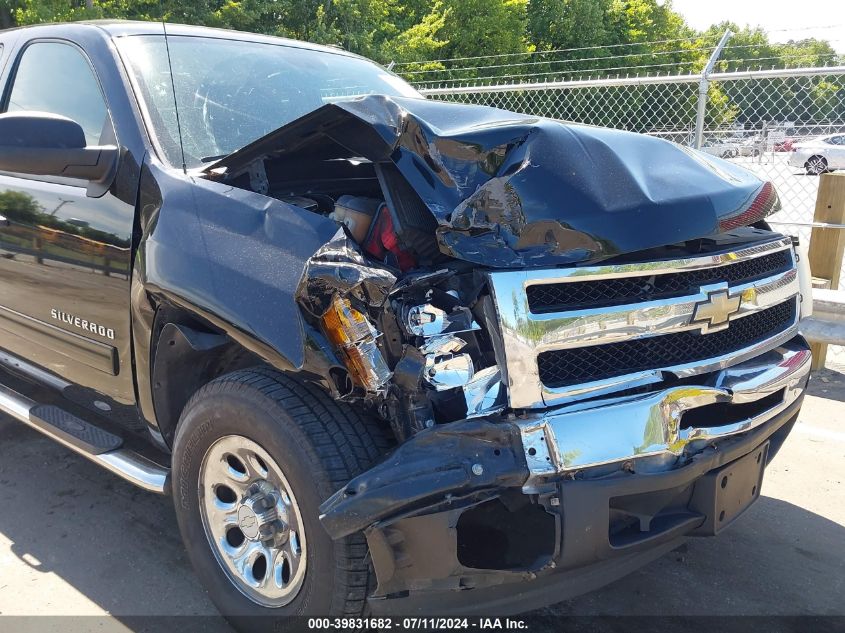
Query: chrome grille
[580, 332]
[559, 368]
[609, 292]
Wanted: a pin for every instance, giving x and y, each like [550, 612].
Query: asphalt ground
[75, 540]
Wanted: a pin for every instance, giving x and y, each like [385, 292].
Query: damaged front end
[412, 347]
[570, 331]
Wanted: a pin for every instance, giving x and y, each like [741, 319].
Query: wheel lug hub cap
[258, 518]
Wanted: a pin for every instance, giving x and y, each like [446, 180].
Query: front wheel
[255, 454]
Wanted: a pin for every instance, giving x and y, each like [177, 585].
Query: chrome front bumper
[649, 430]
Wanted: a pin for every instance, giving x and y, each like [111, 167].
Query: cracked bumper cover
[586, 464]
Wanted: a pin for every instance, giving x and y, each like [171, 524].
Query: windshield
[232, 92]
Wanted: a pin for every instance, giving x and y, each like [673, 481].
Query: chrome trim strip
[659, 267]
[134, 468]
[642, 427]
[526, 334]
[581, 328]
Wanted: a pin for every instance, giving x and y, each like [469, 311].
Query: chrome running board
[83, 438]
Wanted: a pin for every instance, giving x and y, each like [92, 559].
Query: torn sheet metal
[336, 276]
[339, 268]
[508, 190]
[485, 393]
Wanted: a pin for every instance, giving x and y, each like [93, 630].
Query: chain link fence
[753, 118]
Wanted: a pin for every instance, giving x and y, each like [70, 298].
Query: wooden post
[827, 245]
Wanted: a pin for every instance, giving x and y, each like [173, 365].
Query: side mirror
[44, 144]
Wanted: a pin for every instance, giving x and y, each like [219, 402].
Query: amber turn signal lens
[351, 332]
[344, 325]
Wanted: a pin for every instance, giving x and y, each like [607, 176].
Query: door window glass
[56, 78]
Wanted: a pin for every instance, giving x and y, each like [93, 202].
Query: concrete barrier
[827, 323]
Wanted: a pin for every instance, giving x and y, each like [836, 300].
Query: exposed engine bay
[411, 341]
[404, 320]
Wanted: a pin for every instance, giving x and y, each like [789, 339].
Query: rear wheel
[816, 165]
[255, 454]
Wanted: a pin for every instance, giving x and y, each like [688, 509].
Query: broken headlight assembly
[355, 339]
[459, 376]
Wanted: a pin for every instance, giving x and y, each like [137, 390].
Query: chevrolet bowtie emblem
[714, 313]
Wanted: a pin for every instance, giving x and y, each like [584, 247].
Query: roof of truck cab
[122, 28]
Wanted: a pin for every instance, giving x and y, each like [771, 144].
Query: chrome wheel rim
[252, 521]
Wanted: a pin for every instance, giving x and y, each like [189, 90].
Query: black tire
[322, 444]
[816, 165]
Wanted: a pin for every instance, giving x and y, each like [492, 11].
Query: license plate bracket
[724, 494]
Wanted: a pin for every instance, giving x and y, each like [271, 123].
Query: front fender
[230, 257]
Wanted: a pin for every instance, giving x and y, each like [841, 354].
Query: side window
[56, 78]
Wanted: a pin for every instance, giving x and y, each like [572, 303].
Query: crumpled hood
[511, 190]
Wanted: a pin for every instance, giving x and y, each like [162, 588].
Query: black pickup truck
[389, 355]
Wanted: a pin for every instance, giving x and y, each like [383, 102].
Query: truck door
[65, 256]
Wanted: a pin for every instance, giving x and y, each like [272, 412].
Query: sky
[783, 19]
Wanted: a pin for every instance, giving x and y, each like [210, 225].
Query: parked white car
[722, 149]
[819, 155]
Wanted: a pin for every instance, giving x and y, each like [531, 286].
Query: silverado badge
[82, 324]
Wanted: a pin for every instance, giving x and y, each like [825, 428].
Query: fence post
[702, 89]
[827, 244]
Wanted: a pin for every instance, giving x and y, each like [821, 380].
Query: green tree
[556, 24]
[420, 40]
[484, 27]
[19, 207]
[610, 37]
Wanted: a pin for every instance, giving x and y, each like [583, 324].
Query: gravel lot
[75, 540]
